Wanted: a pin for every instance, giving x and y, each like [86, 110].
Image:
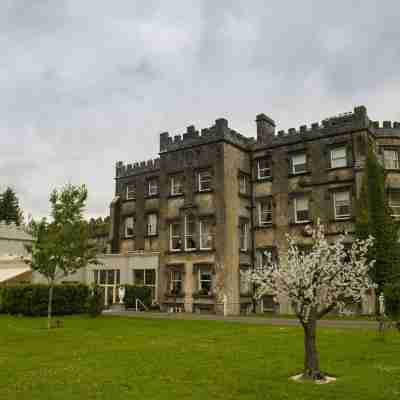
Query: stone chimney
[265, 128]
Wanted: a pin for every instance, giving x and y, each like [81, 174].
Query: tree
[374, 218]
[9, 207]
[62, 246]
[316, 282]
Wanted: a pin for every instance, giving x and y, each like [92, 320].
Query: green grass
[129, 358]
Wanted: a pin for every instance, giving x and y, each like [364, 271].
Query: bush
[32, 299]
[95, 301]
[132, 292]
[392, 300]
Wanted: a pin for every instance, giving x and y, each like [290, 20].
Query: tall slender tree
[374, 218]
[9, 207]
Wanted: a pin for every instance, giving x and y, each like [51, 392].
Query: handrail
[137, 303]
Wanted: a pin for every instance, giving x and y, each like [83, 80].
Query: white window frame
[263, 172]
[245, 235]
[296, 209]
[188, 235]
[172, 237]
[244, 283]
[262, 222]
[201, 180]
[130, 193]
[343, 216]
[173, 280]
[202, 246]
[208, 272]
[152, 187]
[338, 160]
[295, 163]
[394, 208]
[127, 227]
[173, 181]
[391, 162]
[152, 226]
[243, 183]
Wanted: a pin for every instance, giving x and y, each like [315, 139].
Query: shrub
[392, 300]
[32, 299]
[132, 292]
[95, 301]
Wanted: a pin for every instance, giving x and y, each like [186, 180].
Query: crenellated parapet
[386, 128]
[219, 131]
[122, 169]
[341, 123]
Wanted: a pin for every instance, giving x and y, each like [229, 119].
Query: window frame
[346, 216]
[209, 223]
[200, 280]
[336, 159]
[263, 169]
[391, 160]
[244, 236]
[200, 180]
[130, 218]
[293, 164]
[130, 194]
[243, 184]
[296, 210]
[260, 213]
[175, 237]
[173, 281]
[393, 208]
[173, 180]
[149, 231]
[187, 235]
[152, 187]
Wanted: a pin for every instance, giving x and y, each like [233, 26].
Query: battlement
[357, 119]
[122, 169]
[219, 131]
[386, 124]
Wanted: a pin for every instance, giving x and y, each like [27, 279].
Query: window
[299, 163]
[265, 212]
[152, 228]
[264, 168]
[145, 277]
[339, 157]
[244, 282]
[175, 243]
[244, 235]
[130, 191]
[391, 159]
[106, 276]
[205, 281]
[263, 259]
[204, 182]
[243, 184]
[129, 227]
[190, 231]
[153, 187]
[175, 282]
[341, 202]
[394, 203]
[206, 237]
[176, 182]
[301, 210]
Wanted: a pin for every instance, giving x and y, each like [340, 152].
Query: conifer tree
[374, 218]
[9, 207]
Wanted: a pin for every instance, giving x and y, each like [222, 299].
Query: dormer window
[130, 191]
[264, 168]
[299, 163]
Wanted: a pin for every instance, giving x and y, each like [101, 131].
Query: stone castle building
[215, 200]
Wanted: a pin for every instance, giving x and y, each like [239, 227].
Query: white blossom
[317, 281]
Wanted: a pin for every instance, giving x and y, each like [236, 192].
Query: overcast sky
[86, 83]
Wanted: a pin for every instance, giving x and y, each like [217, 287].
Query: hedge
[392, 300]
[32, 299]
[132, 292]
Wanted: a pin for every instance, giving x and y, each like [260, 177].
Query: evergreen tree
[374, 218]
[9, 207]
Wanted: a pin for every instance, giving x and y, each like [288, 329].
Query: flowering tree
[316, 282]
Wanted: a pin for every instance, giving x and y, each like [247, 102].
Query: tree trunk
[50, 305]
[311, 359]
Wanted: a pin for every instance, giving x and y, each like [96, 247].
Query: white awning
[11, 273]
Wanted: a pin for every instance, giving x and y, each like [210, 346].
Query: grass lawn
[129, 358]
